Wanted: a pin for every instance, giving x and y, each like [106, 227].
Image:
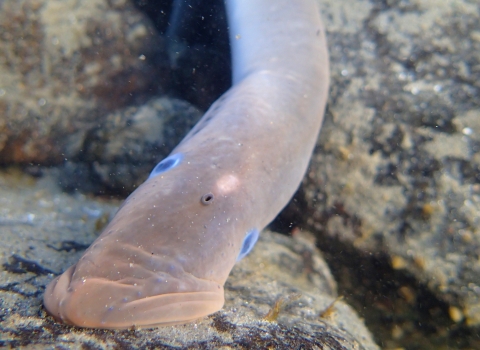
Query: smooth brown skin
[165, 256]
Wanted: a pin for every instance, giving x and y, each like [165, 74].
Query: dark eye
[166, 164]
[207, 199]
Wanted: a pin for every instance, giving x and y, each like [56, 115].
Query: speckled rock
[64, 64]
[119, 153]
[45, 230]
[396, 171]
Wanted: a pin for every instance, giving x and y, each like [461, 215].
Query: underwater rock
[120, 151]
[64, 64]
[396, 172]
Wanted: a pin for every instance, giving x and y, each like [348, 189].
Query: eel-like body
[167, 253]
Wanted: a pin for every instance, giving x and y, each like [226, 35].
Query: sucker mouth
[101, 303]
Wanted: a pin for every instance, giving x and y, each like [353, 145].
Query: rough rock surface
[119, 153]
[396, 171]
[63, 65]
[44, 231]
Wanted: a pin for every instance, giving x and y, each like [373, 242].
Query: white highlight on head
[228, 183]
